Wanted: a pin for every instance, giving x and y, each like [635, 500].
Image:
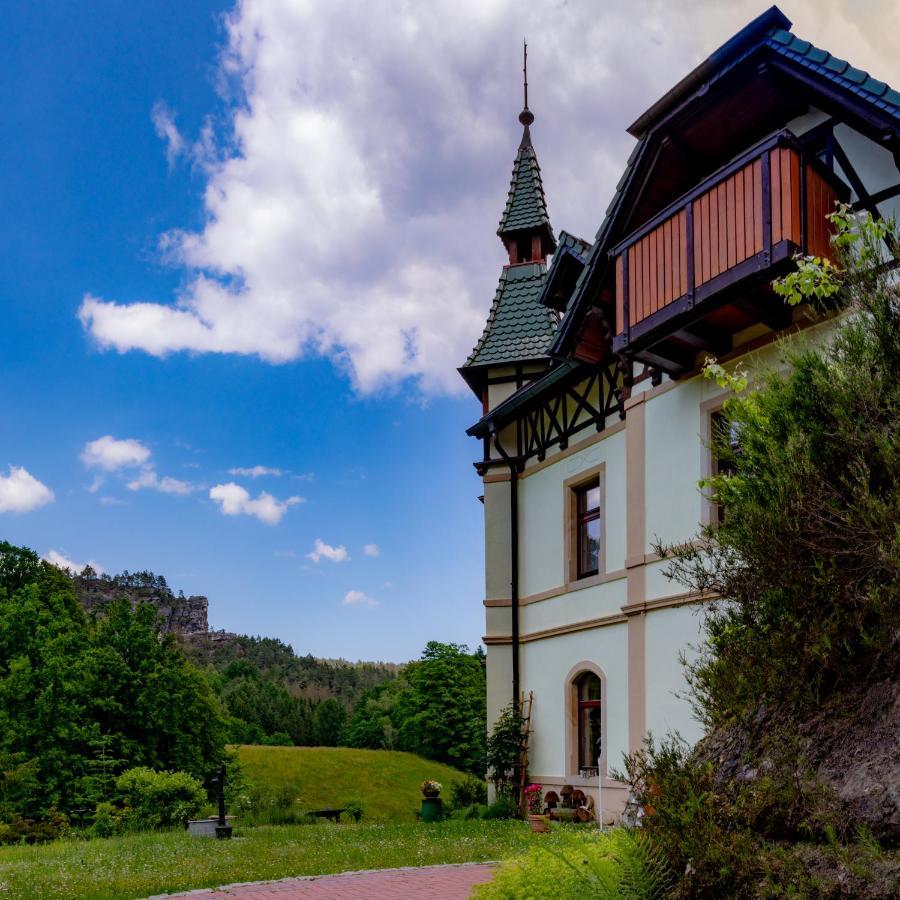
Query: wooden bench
[332, 815]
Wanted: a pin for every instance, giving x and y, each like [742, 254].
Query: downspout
[514, 577]
[513, 561]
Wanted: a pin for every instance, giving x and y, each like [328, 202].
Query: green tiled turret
[526, 206]
[519, 327]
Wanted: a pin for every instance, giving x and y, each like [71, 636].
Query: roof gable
[870, 103]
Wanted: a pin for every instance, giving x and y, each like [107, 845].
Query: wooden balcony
[700, 271]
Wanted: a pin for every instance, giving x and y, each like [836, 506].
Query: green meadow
[142, 865]
[387, 783]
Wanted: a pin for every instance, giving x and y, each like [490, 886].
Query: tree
[808, 554]
[375, 719]
[442, 713]
[330, 723]
[81, 699]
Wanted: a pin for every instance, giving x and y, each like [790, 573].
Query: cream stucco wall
[542, 500]
[545, 666]
[496, 540]
[670, 632]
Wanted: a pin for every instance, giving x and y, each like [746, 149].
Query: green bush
[618, 864]
[107, 821]
[159, 799]
[502, 808]
[19, 830]
[468, 792]
[354, 809]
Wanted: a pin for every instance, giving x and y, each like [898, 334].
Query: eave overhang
[507, 411]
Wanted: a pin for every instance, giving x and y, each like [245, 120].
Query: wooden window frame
[581, 706]
[709, 410]
[572, 487]
[571, 704]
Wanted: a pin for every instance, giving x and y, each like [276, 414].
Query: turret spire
[526, 117]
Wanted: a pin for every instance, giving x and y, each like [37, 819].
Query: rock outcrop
[179, 615]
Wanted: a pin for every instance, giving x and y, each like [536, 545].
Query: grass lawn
[386, 781]
[140, 865]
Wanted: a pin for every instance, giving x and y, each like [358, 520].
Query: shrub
[159, 799]
[618, 864]
[354, 809]
[107, 821]
[505, 744]
[502, 808]
[19, 830]
[468, 792]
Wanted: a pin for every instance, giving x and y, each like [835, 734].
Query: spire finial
[526, 117]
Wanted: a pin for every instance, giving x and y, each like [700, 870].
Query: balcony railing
[756, 212]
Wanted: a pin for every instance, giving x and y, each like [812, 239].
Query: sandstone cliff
[179, 614]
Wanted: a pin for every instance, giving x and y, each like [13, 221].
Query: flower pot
[431, 794]
[432, 809]
[540, 824]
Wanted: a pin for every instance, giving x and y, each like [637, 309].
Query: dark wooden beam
[701, 336]
[774, 314]
[665, 359]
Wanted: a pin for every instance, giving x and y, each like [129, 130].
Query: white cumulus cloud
[54, 557]
[110, 454]
[372, 550]
[235, 500]
[359, 598]
[352, 193]
[321, 550]
[255, 471]
[148, 478]
[21, 492]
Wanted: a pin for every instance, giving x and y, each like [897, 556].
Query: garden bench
[333, 815]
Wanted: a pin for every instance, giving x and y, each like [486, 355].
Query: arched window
[589, 693]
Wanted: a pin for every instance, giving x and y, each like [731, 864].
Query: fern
[619, 864]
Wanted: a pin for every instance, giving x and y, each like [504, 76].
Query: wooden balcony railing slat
[772, 199]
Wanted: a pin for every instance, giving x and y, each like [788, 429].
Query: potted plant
[534, 801]
[431, 788]
[432, 808]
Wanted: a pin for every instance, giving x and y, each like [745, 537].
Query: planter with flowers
[534, 801]
[432, 807]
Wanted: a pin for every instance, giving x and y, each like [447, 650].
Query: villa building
[595, 420]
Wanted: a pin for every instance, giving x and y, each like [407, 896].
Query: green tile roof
[579, 246]
[518, 326]
[838, 71]
[526, 207]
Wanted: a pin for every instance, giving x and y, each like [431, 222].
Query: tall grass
[617, 865]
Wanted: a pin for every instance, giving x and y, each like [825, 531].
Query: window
[718, 426]
[589, 692]
[587, 528]
[523, 248]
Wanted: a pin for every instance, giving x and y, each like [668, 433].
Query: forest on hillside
[101, 711]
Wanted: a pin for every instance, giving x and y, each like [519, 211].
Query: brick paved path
[431, 882]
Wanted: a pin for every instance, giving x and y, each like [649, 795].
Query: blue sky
[263, 235]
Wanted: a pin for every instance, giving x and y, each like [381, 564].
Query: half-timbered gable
[595, 422]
